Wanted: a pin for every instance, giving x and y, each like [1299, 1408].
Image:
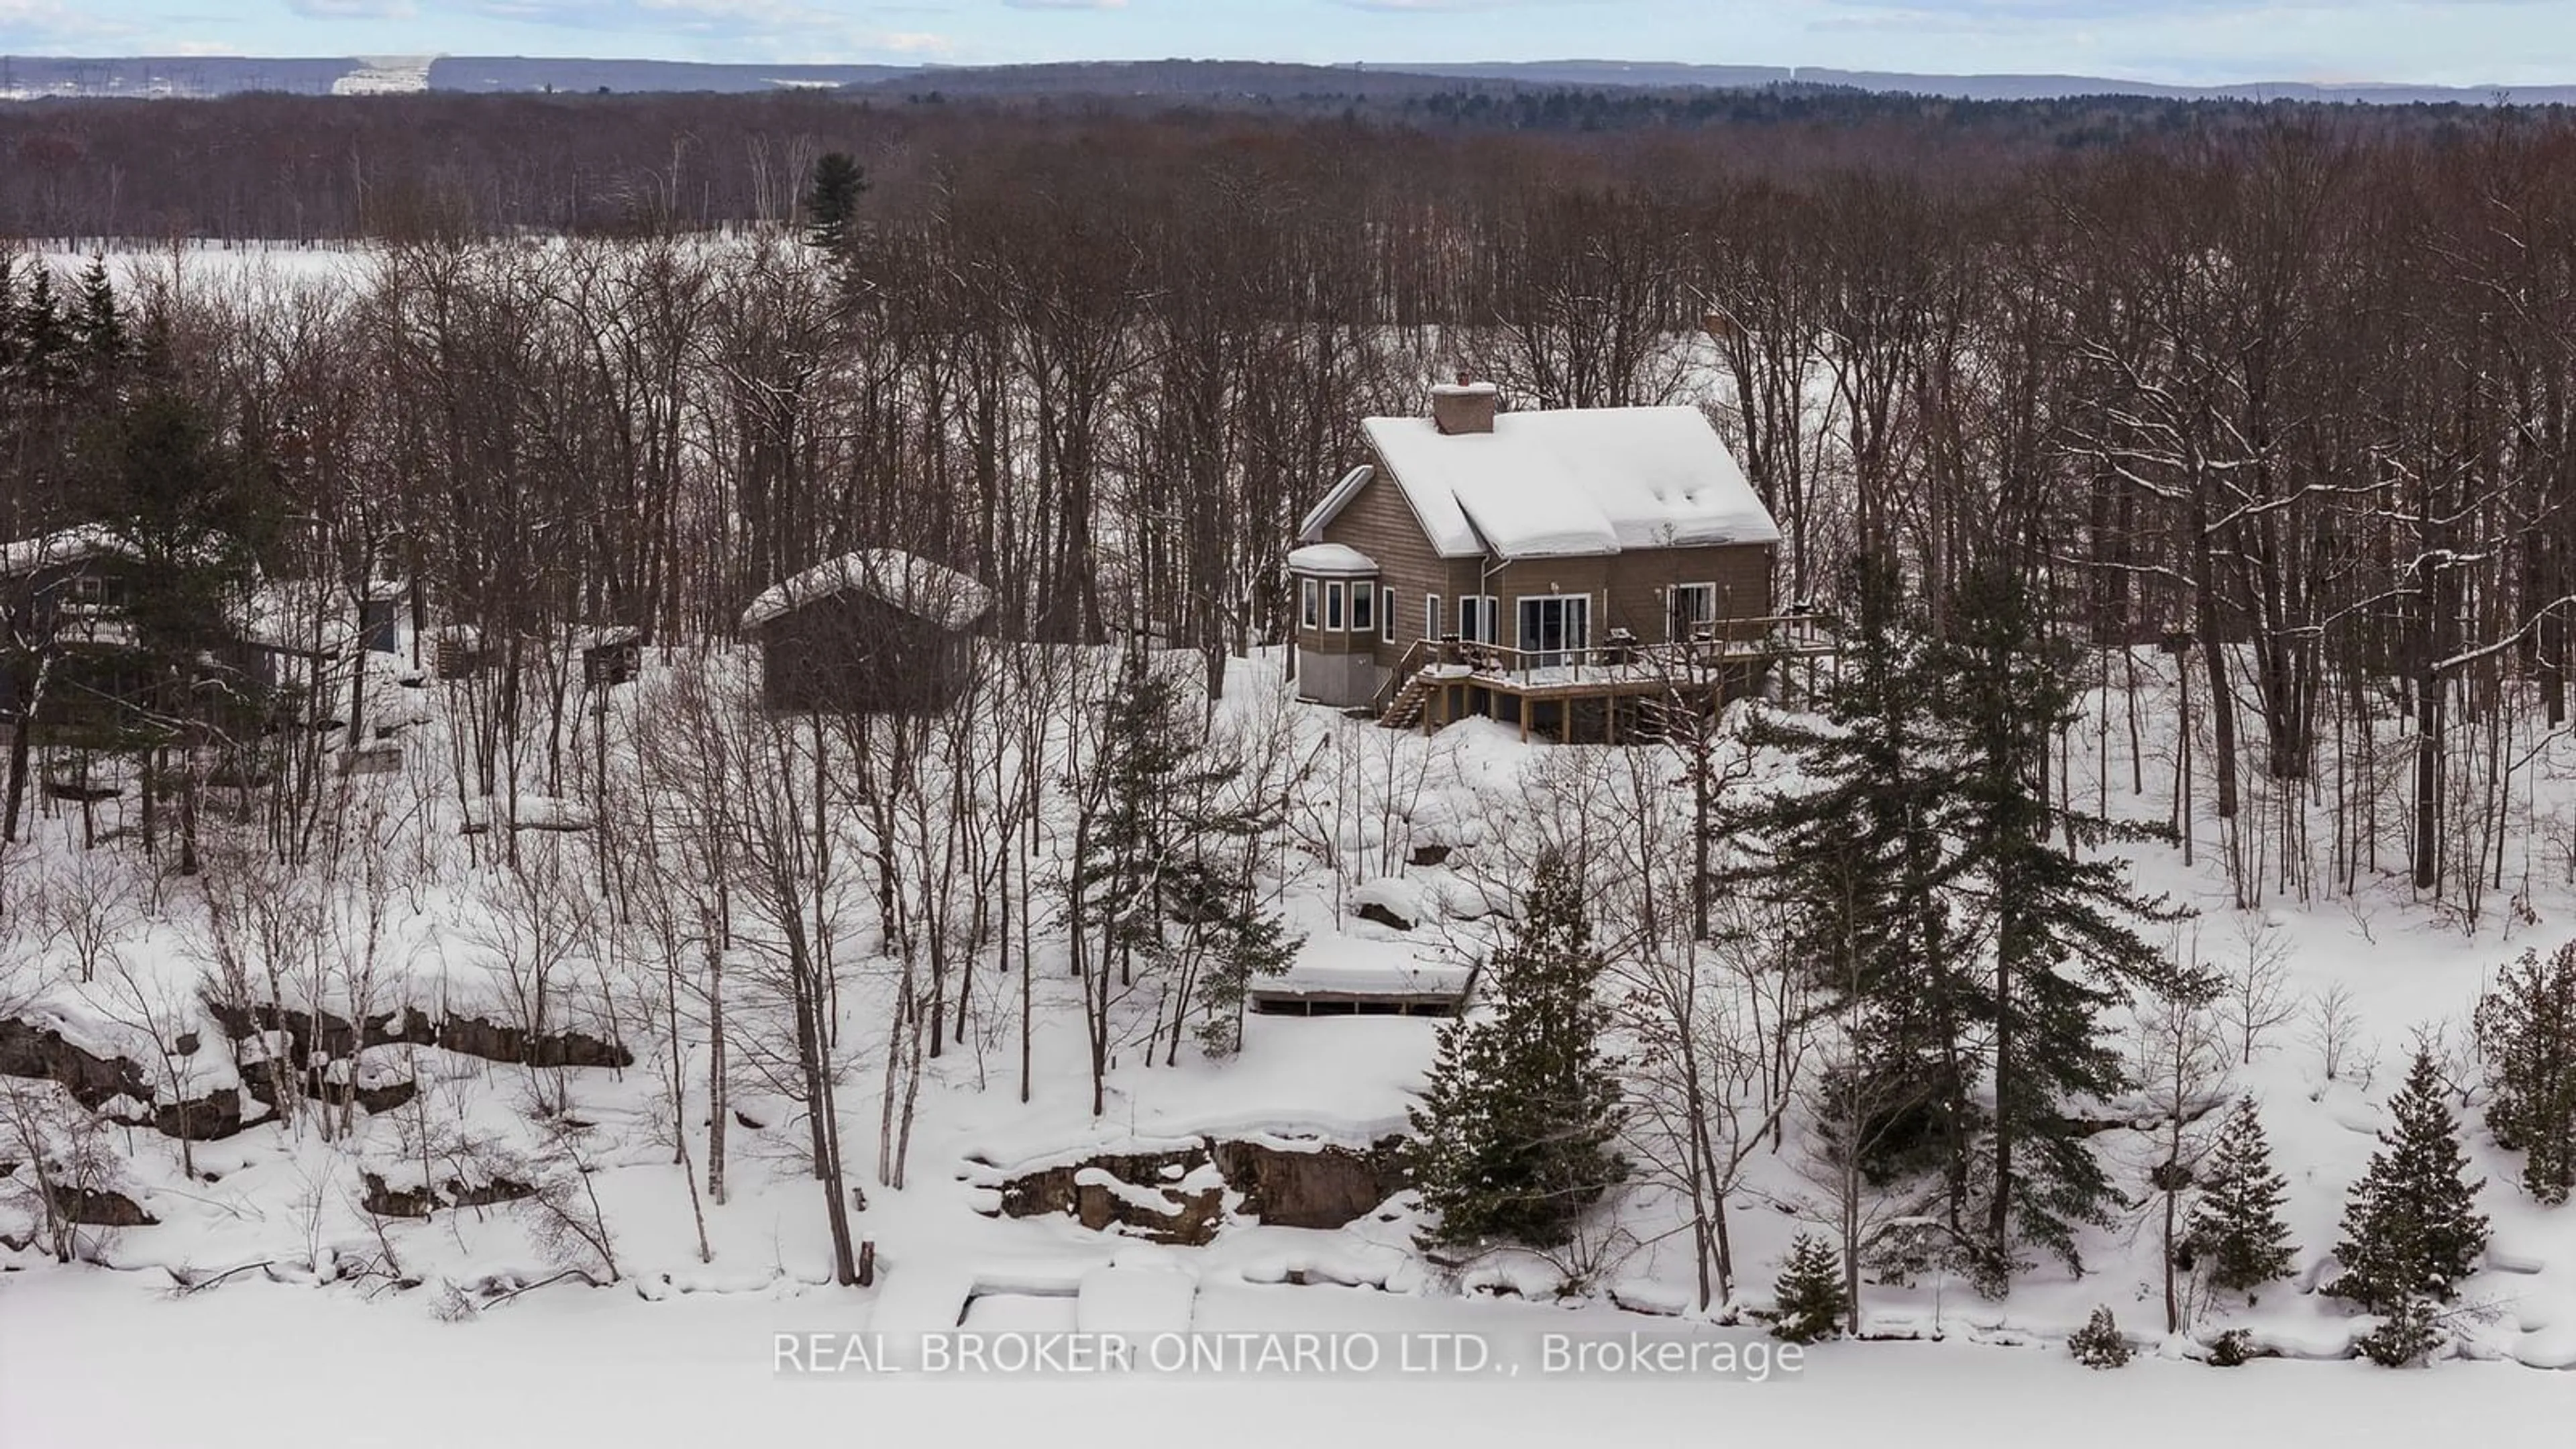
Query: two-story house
[1541, 566]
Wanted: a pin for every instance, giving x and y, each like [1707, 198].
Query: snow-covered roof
[1571, 481]
[904, 581]
[1330, 558]
[296, 617]
[64, 546]
[1318, 978]
[1311, 526]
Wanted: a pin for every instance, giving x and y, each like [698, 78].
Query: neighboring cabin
[66, 599]
[1520, 563]
[73, 669]
[876, 631]
[63, 598]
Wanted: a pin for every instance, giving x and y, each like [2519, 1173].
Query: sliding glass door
[1555, 629]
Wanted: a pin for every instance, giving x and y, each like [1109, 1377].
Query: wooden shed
[456, 651]
[611, 654]
[876, 631]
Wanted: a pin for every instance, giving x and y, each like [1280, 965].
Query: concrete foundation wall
[1336, 678]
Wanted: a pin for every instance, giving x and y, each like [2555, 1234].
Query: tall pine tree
[45, 342]
[193, 511]
[98, 324]
[2065, 941]
[1934, 883]
[1162, 874]
[2236, 1229]
[832, 199]
[1517, 1125]
[1857, 856]
[2411, 1227]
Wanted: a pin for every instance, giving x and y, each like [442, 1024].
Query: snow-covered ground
[680, 1349]
[206, 263]
[99, 1359]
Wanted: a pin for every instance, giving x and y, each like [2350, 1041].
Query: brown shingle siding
[1378, 523]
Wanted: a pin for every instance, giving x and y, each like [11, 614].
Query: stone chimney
[1463, 406]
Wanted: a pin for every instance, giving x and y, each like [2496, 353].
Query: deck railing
[1406, 663]
[1730, 641]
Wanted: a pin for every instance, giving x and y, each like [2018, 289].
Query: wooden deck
[1353, 1003]
[1442, 680]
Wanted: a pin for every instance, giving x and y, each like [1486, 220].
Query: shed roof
[1568, 481]
[76, 544]
[915, 585]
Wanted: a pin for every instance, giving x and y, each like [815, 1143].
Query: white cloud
[354, 9]
[915, 42]
[1947, 13]
[1435, 7]
[720, 18]
[50, 22]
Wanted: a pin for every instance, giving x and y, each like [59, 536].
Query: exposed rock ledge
[43, 1053]
[1180, 1194]
[388, 1201]
[471, 1035]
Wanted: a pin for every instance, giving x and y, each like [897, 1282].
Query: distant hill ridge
[29, 77]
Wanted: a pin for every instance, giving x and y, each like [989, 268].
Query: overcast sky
[2457, 42]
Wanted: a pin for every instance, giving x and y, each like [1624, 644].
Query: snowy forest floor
[94, 1358]
[681, 1350]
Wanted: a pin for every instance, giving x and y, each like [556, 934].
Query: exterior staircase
[1404, 711]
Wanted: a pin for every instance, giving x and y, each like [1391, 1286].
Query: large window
[1555, 628]
[1693, 607]
[1363, 608]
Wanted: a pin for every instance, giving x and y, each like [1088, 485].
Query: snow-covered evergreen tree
[1807, 1301]
[2411, 1227]
[2527, 1033]
[2236, 1228]
[1517, 1123]
[2410, 1331]
[2099, 1344]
